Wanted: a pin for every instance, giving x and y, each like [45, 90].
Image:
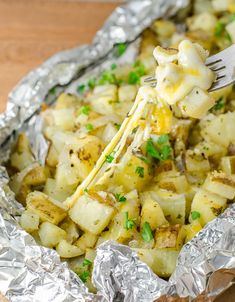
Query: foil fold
[28, 272]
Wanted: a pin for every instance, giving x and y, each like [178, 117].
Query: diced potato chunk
[130, 177]
[87, 240]
[103, 98]
[172, 204]
[220, 184]
[29, 221]
[47, 208]
[57, 192]
[195, 163]
[161, 261]
[71, 230]
[90, 214]
[152, 213]
[50, 234]
[67, 250]
[208, 205]
[36, 176]
[170, 237]
[196, 103]
[127, 93]
[228, 165]
[192, 229]
[117, 230]
[66, 100]
[64, 118]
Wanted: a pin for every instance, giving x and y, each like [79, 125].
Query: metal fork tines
[222, 64]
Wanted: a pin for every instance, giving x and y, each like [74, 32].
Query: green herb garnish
[91, 83]
[117, 126]
[163, 153]
[121, 48]
[81, 88]
[195, 215]
[128, 223]
[86, 262]
[218, 105]
[85, 190]
[85, 110]
[163, 139]
[133, 78]
[113, 66]
[147, 232]
[109, 158]
[89, 127]
[120, 198]
[52, 91]
[107, 77]
[140, 171]
[84, 276]
[219, 28]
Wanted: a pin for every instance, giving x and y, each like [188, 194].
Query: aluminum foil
[28, 272]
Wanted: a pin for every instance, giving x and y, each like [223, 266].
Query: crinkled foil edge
[28, 272]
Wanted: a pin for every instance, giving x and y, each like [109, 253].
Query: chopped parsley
[81, 88]
[120, 49]
[109, 158]
[219, 28]
[162, 153]
[117, 126]
[84, 276]
[52, 91]
[163, 139]
[113, 66]
[195, 215]
[120, 198]
[135, 75]
[128, 223]
[85, 190]
[89, 127]
[91, 83]
[133, 78]
[165, 152]
[85, 110]
[107, 77]
[86, 262]
[140, 171]
[218, 105]
[147, 232]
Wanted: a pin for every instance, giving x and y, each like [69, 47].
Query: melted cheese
[177, 75]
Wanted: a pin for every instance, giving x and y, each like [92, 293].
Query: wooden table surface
[33, 30]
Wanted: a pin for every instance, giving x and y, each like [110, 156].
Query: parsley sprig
[218, 105]
[195, 215]
[85, 110]
[147, 232]
[120, 198]
[163, 152]
[140, 171]
[86, 262]
[128, 223]
[109, 157]
[84, 276]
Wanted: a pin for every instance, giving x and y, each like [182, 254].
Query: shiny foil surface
[31, 273]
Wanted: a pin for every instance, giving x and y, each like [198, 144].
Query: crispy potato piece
[48, 209]
[161, 261]
[87, 240]
[170, 237]
[29, 221]
[67, 100]
[36, 176]
[90, 214]
[151, 212]
[221, 184]
[67, 250]
[50, 234]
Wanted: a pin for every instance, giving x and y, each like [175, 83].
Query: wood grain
[33, 30]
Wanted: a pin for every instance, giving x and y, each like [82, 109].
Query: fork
[223, 64]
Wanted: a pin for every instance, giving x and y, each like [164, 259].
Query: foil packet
[28, 272]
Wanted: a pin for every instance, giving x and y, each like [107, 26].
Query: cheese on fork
[178, 74]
